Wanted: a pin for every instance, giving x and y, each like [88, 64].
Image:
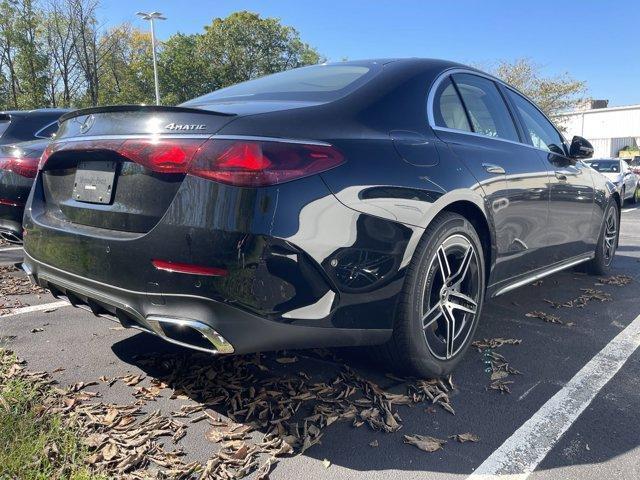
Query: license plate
[94, 182]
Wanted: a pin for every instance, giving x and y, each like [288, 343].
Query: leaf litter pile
[254, 416]
[587, 295]
[617, 280]
[12, 284]
[496, 364]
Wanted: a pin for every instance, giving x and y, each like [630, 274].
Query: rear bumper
[225, 329]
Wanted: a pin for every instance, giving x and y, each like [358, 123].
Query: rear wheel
[441, 299]
[608, 241]
[634, 199]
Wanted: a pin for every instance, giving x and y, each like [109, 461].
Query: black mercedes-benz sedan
[359, 203]
[18, 168]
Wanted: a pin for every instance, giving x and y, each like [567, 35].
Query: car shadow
[549, 355]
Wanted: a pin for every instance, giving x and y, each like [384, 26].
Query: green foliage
[183, 73]
[53, 53]
[245, 46]
[552, 94]
[35, 444]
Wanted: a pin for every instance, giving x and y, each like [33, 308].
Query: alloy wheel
[450, 301]
[610, 235]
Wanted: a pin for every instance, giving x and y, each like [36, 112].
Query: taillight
[11, 203]
[162, 156]
[159, 155]
[255, 163]
[240, 162]
[23, 166]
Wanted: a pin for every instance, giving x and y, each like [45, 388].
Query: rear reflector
[245, 163]
[188, 268]
[23, 166]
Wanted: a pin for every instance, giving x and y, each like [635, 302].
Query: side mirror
[580, 148]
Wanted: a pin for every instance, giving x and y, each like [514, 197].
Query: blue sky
[593, 41]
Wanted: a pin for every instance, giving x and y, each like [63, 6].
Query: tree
[8, 18]
[56, 53]
[126, 70]
[245, 46]
[31, 63]
[183, 73]
[64, 72]
[552, 94]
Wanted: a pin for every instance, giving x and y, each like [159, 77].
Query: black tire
[622, 194]
[607, 241]
[634, 199]
[417, 350]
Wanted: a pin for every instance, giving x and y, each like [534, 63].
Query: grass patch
[35, 443]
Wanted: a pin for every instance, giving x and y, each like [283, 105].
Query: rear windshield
[606, 166]
[314, 83]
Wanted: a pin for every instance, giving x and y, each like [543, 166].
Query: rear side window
[4, 124]
[48, 131]
[448, 109]
[488, 112]
[540, 131]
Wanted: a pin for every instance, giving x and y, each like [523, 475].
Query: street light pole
[151, 17]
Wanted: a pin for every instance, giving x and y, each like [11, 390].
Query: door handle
[492, 168]
[561, 176]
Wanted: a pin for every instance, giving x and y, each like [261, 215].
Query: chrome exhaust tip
[29, 273]
[189, 333]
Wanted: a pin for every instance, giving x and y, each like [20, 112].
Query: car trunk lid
[119, 168]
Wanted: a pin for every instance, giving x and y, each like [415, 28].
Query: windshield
[314, 83]
[606, 166]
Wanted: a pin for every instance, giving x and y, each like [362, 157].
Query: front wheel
[441, 299]
[607, 242]
[634, 199]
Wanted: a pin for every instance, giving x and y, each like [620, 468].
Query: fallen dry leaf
[544, 316]
[286, 360]
[466, 437]
[425, 443]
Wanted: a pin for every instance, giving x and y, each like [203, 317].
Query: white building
[609, 129]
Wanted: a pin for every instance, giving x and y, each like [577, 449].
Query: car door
[470, 115]
[573, 230]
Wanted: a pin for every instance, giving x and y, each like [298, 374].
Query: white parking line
[36, 308]
[521, 453]
[8, 249]
[625, 210]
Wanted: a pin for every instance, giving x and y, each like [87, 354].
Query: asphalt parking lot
[565, 365]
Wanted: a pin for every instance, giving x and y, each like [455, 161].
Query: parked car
[18, 168]
[357, 203]
[634, 164]
[618, 171]
[20, 126]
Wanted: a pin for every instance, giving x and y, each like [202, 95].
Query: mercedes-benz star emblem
[86, 125]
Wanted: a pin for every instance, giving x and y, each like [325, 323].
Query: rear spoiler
[139, 108]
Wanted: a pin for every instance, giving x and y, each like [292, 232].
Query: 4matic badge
[185, 126]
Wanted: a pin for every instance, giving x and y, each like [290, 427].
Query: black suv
[358, 203]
